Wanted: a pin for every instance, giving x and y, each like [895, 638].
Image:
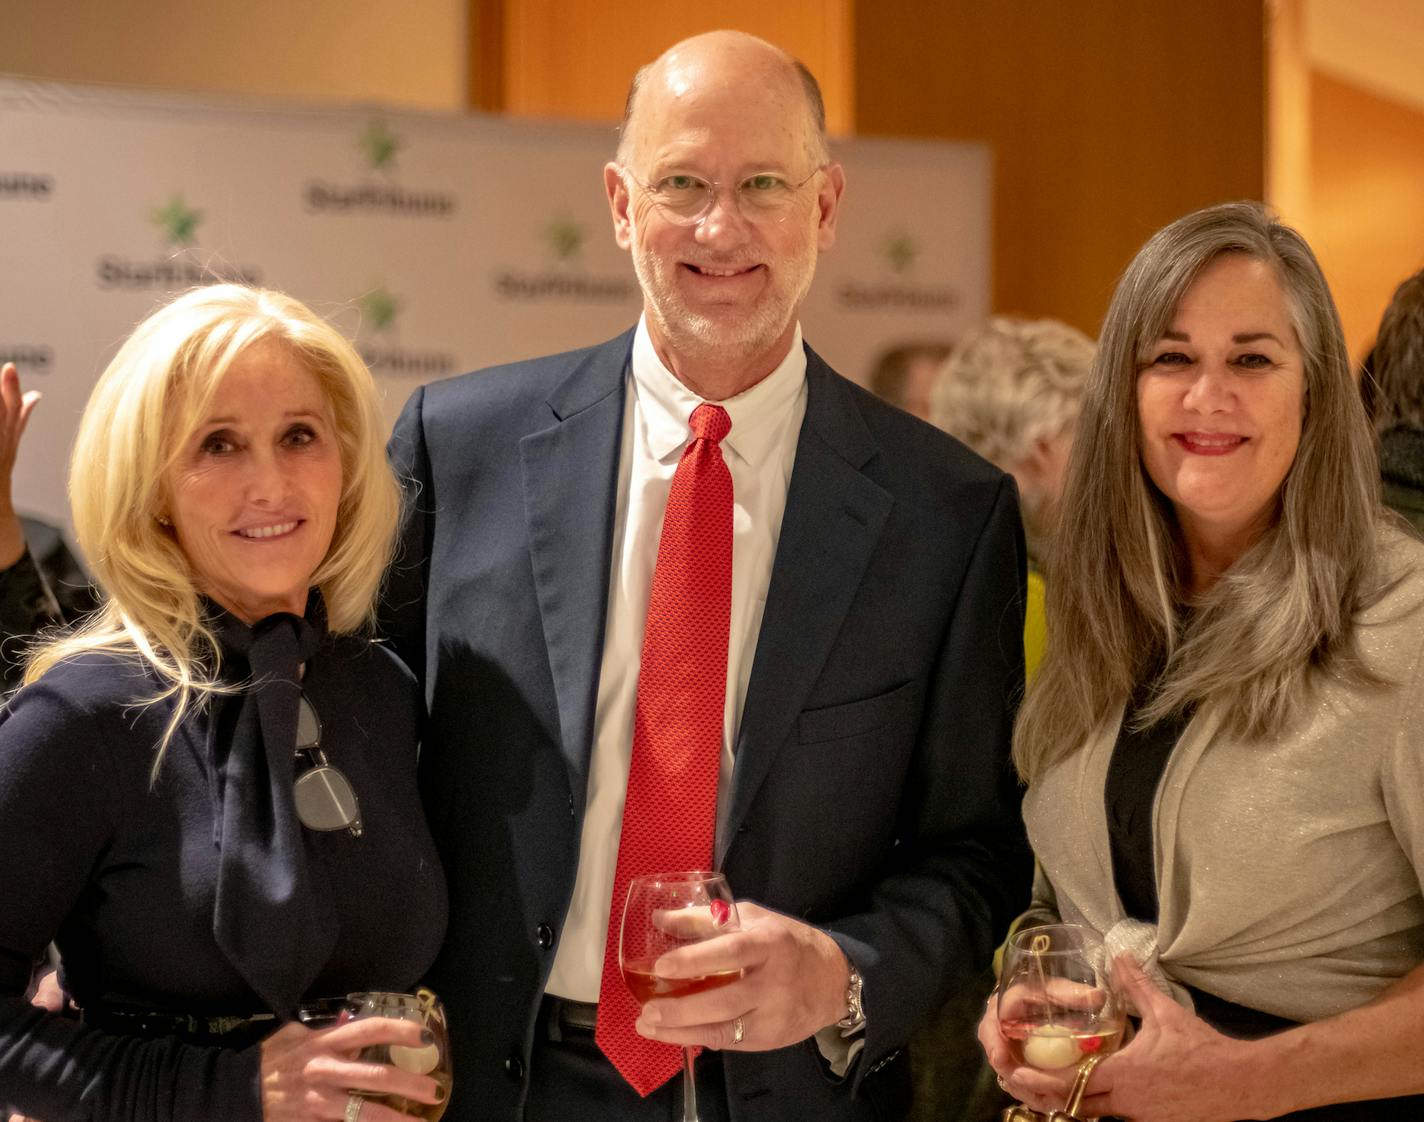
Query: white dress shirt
[759, 451]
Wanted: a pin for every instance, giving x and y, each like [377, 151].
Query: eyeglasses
[685, 200]
[323, 794]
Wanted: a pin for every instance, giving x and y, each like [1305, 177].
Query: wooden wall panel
[574, 58]
[411, 54]
[1108, 119]
[1288, 111]
[1366, 219]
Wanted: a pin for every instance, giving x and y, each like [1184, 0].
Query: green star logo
[177, 221]
[379, 145]
[378, 308]
[565, 237]
[901, 250]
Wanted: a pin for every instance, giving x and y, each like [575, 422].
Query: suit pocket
[852, 718]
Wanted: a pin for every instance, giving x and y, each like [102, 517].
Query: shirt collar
[667, 404]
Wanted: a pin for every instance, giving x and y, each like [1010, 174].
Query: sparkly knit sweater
[1288, 871]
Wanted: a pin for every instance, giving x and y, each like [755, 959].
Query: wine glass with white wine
[432, 1059]
[1057, 1004]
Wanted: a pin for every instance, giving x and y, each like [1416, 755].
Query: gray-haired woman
[1225, 742]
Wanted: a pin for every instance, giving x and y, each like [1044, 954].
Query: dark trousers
[571, 1080]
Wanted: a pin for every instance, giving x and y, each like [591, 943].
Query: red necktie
[670, 816]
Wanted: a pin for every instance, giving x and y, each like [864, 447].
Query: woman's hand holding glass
[312, 1073]
[1055, 1007]
[431, 1057]
[1177, 1068]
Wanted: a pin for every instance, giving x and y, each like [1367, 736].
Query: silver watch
[854, 1020]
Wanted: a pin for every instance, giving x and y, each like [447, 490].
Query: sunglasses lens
[308, 725]
[325, 800]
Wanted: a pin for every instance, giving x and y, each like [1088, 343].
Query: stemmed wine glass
[1057, 1004]
[665, 911]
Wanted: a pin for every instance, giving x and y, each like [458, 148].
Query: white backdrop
[440, 243]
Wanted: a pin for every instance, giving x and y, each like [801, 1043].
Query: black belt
[227, 1030]
[561, 1017]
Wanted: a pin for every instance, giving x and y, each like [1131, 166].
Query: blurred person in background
[41, 583]
[1012, 391]
[1223, 745]
[904, 374]
[1397, 366]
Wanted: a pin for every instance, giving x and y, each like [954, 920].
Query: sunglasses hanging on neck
[323, 794]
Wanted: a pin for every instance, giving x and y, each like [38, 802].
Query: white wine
[1050, 1046]
[432, 1058]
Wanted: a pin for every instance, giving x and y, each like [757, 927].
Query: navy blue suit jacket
[872, 793]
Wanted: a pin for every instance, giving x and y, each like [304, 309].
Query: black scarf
[274, 917]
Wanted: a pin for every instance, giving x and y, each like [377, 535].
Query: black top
[121, 874]
[1402, 469]
[1138, 762]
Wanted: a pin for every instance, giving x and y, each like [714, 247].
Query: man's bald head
[726, 57]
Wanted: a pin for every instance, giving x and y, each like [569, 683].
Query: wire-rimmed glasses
[685, 199]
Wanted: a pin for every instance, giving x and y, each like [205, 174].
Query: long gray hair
[1118, 603]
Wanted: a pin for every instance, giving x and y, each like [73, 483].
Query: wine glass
[431, 1059]
[665, 911]
[1057, 1004]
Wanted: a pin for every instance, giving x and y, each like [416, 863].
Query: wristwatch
[854, 1020]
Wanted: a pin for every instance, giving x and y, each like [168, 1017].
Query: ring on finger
[739, 1030]
[354, 1103]
[1002, 1085]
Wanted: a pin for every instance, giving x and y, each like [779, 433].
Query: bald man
[871, 602]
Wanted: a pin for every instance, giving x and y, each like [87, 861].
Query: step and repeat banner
[439, 243]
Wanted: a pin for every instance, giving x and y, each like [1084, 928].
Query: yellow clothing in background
[1035, 625]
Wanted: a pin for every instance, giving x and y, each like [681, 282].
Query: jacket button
[545, 934]
[514, 1068]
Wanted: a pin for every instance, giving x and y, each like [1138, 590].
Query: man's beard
[698, 336]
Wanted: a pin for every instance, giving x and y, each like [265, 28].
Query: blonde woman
[231, 496]
[1225, 744]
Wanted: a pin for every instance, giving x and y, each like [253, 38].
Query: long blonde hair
[144, 408]
[1117, 600]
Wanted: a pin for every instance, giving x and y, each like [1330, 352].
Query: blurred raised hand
[16, 405]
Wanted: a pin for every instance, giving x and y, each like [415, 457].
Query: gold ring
[354, 1103]
[739, 1030]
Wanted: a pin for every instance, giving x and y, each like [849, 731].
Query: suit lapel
[570, 473]
[833, 520]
